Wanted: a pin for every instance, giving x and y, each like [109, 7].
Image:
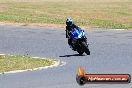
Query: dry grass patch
[101, 13]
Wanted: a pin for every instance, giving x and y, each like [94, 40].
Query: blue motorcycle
[79, 41]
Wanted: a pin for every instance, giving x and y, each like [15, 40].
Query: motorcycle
[79, 41]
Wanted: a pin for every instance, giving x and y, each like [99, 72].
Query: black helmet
[69, 22]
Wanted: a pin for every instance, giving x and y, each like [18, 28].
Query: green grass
[17, 62]
[99, 13]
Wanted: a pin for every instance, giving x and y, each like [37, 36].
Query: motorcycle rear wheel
[80, 52]
[85, 47]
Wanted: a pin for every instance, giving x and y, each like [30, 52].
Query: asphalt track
[111, 52]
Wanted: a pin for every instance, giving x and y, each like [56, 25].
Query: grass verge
[96, 13]
[17, 62]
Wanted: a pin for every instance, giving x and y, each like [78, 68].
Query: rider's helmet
[69, 22]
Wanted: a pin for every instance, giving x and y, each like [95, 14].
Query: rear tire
[85, 47]
[80, 52]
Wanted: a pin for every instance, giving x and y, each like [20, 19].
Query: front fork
[85, 40]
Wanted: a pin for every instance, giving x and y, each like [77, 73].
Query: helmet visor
[68, 23]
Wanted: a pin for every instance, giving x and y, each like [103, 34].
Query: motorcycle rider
[70, 26]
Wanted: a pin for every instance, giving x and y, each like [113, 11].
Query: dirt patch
[42, 24]
[33, 24]
[46, 25]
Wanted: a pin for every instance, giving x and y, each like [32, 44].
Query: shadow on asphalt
[71, 55]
